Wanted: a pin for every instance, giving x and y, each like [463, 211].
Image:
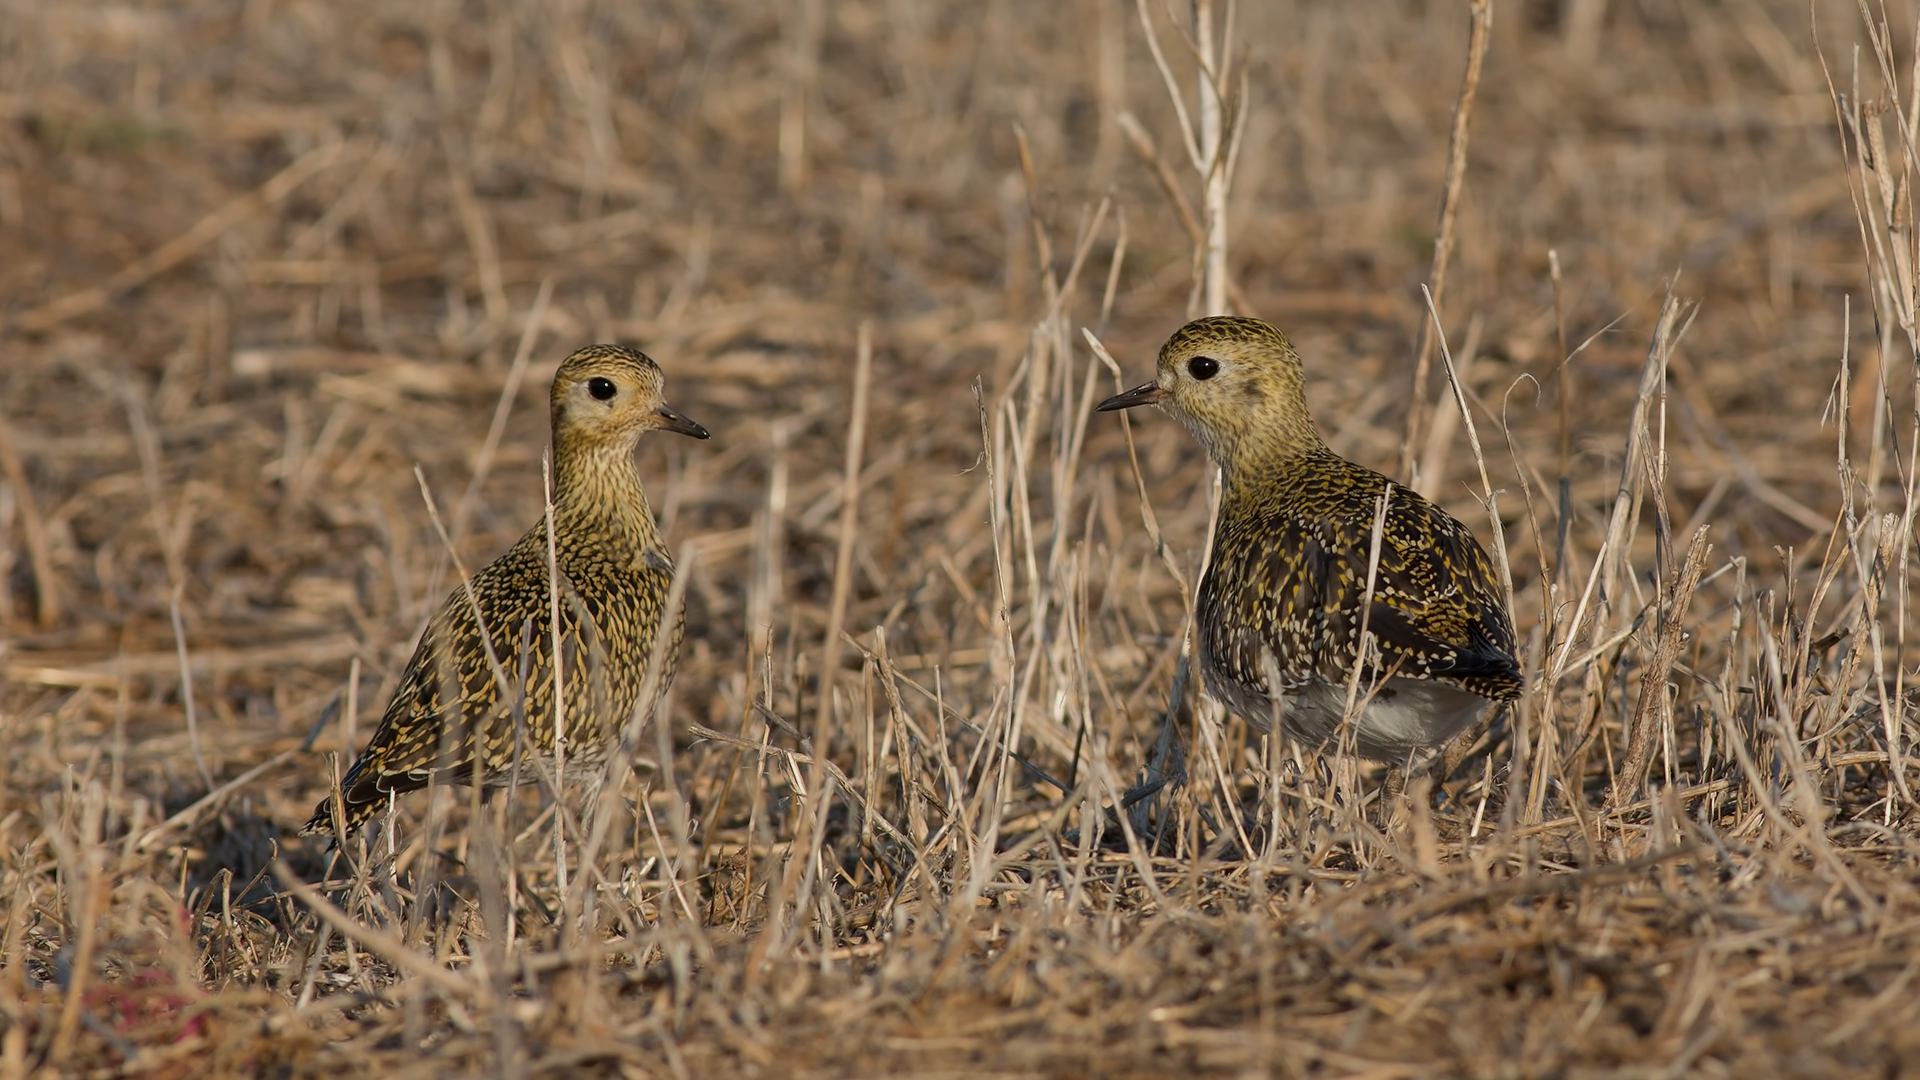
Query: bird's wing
[1291, 580]
[1437, 607]
[451, 700]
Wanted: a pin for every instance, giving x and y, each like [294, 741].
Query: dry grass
[261, 260]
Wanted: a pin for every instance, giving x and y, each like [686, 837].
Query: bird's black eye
[1203, 367]
[602, 389]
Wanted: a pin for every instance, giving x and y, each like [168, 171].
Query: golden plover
[1280, 610]
[451, 718]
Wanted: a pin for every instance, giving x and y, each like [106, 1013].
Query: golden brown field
[260, 261]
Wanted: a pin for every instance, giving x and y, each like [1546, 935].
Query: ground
[272, 274]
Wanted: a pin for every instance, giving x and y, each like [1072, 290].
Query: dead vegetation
[262, 260]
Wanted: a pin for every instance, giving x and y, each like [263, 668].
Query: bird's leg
[1166, 766]
[1392, 809]
[1462, 748]
[1457, 750]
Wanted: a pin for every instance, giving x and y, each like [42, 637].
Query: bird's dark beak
[1144, 394]
[673, 421]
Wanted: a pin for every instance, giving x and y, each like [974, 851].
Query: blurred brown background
[260, 259]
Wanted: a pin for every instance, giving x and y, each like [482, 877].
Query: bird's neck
[1255, 455]
[597, 489]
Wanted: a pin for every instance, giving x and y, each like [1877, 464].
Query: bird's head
[1236, 384]
[606, 395]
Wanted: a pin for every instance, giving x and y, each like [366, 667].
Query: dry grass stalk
[1652, 711]
[1479, 34]
[881, 824]
[46, 588]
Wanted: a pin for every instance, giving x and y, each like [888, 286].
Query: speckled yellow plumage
[453, 717]
[1281, 606]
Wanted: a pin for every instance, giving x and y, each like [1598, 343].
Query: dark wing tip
[321, 823]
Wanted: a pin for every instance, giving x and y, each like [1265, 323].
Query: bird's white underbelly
[1403, 716]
